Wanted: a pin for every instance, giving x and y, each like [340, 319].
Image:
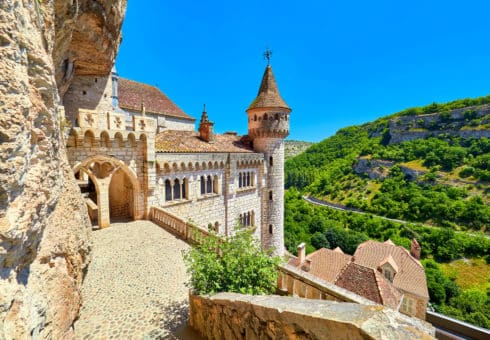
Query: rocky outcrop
[373, 168]
[44, 239]
[236, 316]
[468, 122]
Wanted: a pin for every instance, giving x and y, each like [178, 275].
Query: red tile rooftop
[189, 141]
[132, 94]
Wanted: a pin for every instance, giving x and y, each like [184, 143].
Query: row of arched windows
[246, 179]
[247, 219]
[176, 189]
[209, 184]
[271, 117]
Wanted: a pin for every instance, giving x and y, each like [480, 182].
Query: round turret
[268, 125]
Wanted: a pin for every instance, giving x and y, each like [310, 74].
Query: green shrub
[235, 263]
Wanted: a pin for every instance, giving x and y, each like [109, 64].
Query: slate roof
[410, 276]
[132, 94]
[189, 141]
[268, 96]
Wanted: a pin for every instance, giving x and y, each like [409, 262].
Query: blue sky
[337, 63]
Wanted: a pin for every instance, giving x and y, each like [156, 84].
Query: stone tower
[268, 125]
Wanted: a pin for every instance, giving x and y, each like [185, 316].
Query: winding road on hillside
[335, 206]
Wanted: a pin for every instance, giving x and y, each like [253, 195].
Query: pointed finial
[268, 55]
[204, 109]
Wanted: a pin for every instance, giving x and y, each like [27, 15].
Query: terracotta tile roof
[132, 94]
[189, 141]
[410, 276]
[368, 283]
[268, 96]
[325, 263]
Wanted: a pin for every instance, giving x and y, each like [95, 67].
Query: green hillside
[428, 166]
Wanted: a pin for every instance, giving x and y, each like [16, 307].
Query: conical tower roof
[268, 96]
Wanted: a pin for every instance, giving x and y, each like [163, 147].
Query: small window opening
[84, 92]
[270, 229]
[95, 79]
[270, 195]
[270, 161]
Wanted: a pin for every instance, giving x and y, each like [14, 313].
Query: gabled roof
[369, 283]
[268, 96]
[189, 141]
[325, 263]
[390, 261]
[133, 94]
[410, 276]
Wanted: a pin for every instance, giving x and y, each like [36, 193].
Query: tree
[235, 263]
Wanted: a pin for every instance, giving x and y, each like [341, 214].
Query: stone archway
[116, 187]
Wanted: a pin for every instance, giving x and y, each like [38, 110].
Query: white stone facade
[112, 152]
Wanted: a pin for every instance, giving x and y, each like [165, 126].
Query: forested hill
[426, 165]
[429, 164]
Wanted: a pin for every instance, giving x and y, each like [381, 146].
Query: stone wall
[44, 240]
[88, 92]
[226, 201]
[236, 316]
[273, 195]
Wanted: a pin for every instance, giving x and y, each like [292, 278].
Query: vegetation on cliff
[441, 181]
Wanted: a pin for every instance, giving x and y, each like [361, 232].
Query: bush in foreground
[235, 263]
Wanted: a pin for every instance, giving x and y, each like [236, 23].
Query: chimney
[301, 253]
[206, 127]
[306, 266]
[415, 249]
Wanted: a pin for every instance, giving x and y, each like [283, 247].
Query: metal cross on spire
[268, 55]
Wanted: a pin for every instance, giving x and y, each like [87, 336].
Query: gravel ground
[135, 284]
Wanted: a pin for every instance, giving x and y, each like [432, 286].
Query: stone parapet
[237, 316]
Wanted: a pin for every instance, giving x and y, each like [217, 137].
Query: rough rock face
[236, 316]
[44, 239]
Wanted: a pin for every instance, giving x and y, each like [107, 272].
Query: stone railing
[177, 226]
[296, 282]
[236, 316]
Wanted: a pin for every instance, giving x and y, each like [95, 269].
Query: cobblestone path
[135, 284]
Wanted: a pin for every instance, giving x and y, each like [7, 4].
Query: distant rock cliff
[44, 240]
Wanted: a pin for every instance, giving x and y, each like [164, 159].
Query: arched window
[270, 229]
[248, 219]
[255, 118]
[168, 190]
[240, 184]
[270, 195]
[176, 189]
[209, 185]
[265, 117]
[277, 116]
[270, 161]
[248, 179]
[184, 188]
[240, 219]
[215, 184]
[203, 185]
[216, 227]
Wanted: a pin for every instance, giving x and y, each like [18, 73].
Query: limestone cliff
[44, 240]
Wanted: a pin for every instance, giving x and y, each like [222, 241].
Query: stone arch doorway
[121, 202]
[110, 188]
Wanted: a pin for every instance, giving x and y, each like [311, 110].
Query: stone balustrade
[177, 226]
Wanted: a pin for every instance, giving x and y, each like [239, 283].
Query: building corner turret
[268, 126]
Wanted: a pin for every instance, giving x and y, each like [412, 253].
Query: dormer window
[388, 268]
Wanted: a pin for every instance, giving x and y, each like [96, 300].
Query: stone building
[381, 272]
[131, 148]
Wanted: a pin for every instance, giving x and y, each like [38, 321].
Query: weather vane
[268, 55]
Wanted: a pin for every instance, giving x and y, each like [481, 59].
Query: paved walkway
[135, 284]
